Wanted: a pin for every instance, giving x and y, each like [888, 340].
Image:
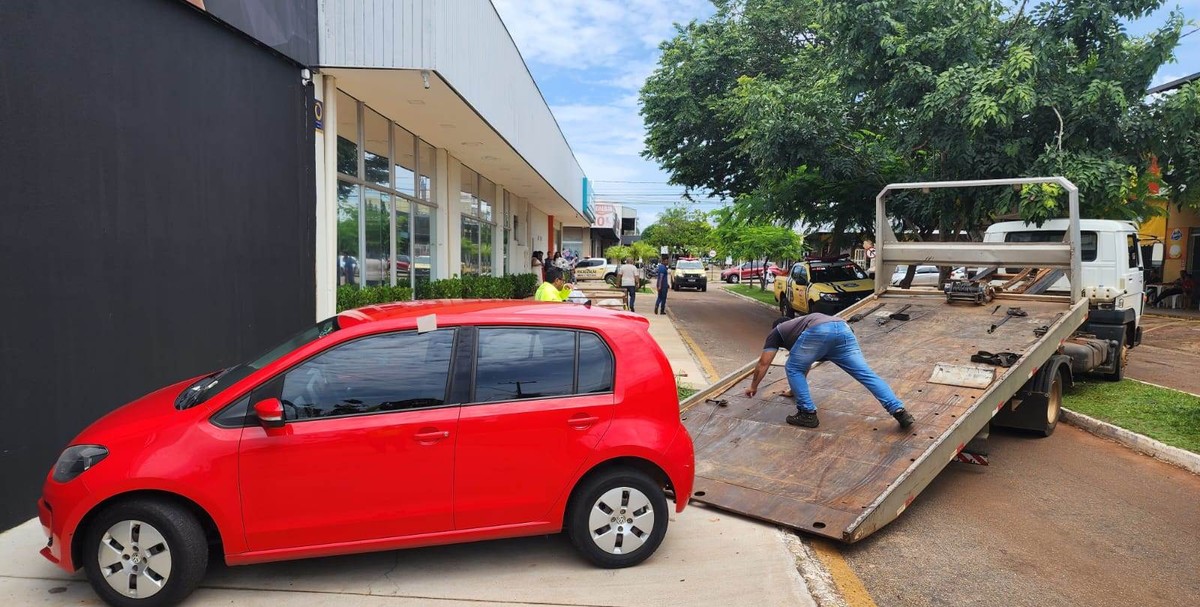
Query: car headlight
[829, 297]
[76, 460]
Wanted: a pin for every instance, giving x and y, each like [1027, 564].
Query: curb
[1142, 444]
[747, 298]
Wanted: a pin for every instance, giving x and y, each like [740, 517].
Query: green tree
[804, 109]
[682, 230]
[642, 251]
[743, 238]
[617, 252]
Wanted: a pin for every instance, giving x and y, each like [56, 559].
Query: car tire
[597, 504]
[704, 288]
[734, 279]
[168, 538]
[1122, 361]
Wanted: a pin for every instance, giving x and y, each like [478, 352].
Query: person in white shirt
[628, 274]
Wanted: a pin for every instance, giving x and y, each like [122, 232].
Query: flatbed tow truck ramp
[859, 470]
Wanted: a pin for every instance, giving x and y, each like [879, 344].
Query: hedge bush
[513, 286]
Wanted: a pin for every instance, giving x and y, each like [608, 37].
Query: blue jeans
[632, 291]
[835, 342]
[661, 302]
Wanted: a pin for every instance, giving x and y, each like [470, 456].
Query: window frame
[471, 398]
[279, 377]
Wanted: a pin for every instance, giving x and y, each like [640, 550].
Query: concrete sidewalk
[708, 558]
[683, 362]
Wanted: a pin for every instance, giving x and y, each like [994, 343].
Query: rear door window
[519, 363]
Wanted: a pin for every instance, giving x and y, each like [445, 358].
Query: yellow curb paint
[709, 369]
[853, 592]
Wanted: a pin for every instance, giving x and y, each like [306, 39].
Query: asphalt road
[1169, 354]
[1067, 520]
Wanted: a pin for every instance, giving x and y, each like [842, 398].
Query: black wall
[157, 212]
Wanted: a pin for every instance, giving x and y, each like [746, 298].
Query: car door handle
[582, 421]
[435, 435]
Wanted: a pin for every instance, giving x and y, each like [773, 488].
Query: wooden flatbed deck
[832, 480]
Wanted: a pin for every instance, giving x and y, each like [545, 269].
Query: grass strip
[767, 297]
[1167, 416]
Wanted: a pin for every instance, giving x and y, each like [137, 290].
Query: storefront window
[485, 249]
[347, 234]
[428, 165]
[378, 224]
[406, 162]
[470, 246]
[403, 265]
[384, 236]
[468, 201]
[487, 198]
[347, 131]
[423, 266]
[376, 166]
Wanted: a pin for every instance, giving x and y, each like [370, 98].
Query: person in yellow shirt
[555, 288]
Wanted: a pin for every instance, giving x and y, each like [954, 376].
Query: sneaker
[904, 417]
[804, 419]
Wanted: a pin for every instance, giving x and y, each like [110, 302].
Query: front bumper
[60, 511]
[691, 281]
[833, 307]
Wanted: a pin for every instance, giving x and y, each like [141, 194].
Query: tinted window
[838, 273]
[1135, 260]
[1087, 240]
[382, 373]
[690, 265]
[589, 263]
[522, 363]
[235, 415]
[595, 365]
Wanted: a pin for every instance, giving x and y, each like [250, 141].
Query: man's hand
[751, 391]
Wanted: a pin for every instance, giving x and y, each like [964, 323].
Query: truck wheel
[704, 288]
[1122, 360]
[144, 553]
[1053, 405]
[611, 279]
[785, 308]
[617, 518]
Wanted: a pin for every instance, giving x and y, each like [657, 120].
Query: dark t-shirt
[787, 333]
[662, 275]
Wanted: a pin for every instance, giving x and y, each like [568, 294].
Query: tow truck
[1047, 304]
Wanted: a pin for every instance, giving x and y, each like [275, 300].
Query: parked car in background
[689, 274]
[925, 276]
[750, 270]
[594, 268]
[823, 284]
[364, 433]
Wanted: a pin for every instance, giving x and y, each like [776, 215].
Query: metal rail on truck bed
[858, 471]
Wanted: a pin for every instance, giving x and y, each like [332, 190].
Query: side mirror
[269, 412]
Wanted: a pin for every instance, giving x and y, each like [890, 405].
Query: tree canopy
[804, 109]
[753, 238]
[683, 230]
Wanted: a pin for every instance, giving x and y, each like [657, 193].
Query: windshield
[690, 265]
[836, 273]
[211, 385]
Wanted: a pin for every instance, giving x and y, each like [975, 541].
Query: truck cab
[821, 284]
[1112, 268]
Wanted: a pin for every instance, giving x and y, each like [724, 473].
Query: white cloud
[591, 33]
[591, 57]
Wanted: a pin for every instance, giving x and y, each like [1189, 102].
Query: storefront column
[325, 90]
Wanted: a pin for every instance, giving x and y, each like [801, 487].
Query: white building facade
[436, 154]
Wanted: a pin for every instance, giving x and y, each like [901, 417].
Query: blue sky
[590, 57]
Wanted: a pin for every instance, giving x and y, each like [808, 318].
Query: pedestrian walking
[629, 280]
[815, 337]
[660, 283]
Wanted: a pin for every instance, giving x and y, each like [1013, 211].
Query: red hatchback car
[385, 427]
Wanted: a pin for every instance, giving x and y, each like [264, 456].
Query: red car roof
[484, 311]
